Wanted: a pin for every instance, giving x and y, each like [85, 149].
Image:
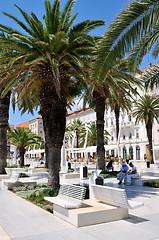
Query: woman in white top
[132, 173]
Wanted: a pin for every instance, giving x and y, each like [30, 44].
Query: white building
[36, 126]
[132, 138]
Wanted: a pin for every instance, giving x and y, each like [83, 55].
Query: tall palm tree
[50, 57]
[147, 109]
[117, 104]
[121, 83]
[4, 116]
[23, 138]
[4, 110]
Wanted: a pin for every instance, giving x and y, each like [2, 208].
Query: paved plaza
[22, 220]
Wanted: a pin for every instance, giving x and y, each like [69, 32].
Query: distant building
[36, 126]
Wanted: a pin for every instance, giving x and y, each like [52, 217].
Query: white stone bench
[113, 196]
[13, 181]
[69, 196]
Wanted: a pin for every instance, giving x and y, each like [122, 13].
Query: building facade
[36, 126]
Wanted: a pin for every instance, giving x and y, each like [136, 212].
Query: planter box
[10, 170]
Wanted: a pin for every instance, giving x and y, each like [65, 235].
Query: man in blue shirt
[124, 169]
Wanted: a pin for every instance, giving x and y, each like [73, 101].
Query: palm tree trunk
[100, 109]
[22, 152]
[149, 135]
[4, 115]
[53, 110]
[117, 113]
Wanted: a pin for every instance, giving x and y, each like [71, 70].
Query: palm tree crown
[136, 25]
[23, 138]
[147, 109]
[51, 55]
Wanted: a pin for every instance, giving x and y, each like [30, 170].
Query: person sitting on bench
[123, 172]
[132, 173]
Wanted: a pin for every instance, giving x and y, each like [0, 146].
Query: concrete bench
[113, 196]
[14, 181]
[70, 196]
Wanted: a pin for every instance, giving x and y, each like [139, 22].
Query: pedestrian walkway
[22, 220]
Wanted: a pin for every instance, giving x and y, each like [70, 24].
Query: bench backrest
[72, 191]
[14, 176]
[111, 195]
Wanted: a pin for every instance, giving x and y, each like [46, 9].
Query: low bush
[109, 174]
[36, 194]
[22, 175]
[154, 184]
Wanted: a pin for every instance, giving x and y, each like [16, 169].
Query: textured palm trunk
[149, 135]
[117, 113]
[100, 109]
[22, 153]
[4, 115]
[53, 110]
[54, 121]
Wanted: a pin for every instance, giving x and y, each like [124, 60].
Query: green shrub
[14, 166]
[22, 175]
[112, 174]
[70, 170]
[154, 184]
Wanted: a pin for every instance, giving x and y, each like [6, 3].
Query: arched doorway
[131, 152]
[137, 153]
[124, 152]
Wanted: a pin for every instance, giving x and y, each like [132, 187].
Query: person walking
[124, 169]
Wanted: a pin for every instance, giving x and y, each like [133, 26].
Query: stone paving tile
[3, 235]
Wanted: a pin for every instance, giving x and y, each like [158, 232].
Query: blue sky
[86, 9]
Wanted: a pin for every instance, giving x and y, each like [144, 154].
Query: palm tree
[92, 136]
[121, 83]
[4, 115]
[79, 129]
[23, 138]
[50, 58]
[147, 109]
[4, 112]
[134, 29]
[117, 104]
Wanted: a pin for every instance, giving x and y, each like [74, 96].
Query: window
[41, 125]
[112, 153]
[124, 152]
[112, 123]
[130, 135]
[137, 153]
[106, 122]
[129, 118]
[123, 119]
[107, 153]
[137, 133]
[131, 152]
[124, 136]
[41, 133]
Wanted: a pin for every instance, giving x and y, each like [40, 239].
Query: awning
[35, 151]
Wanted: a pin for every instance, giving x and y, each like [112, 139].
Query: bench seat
[70, 196]
[64, 201]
